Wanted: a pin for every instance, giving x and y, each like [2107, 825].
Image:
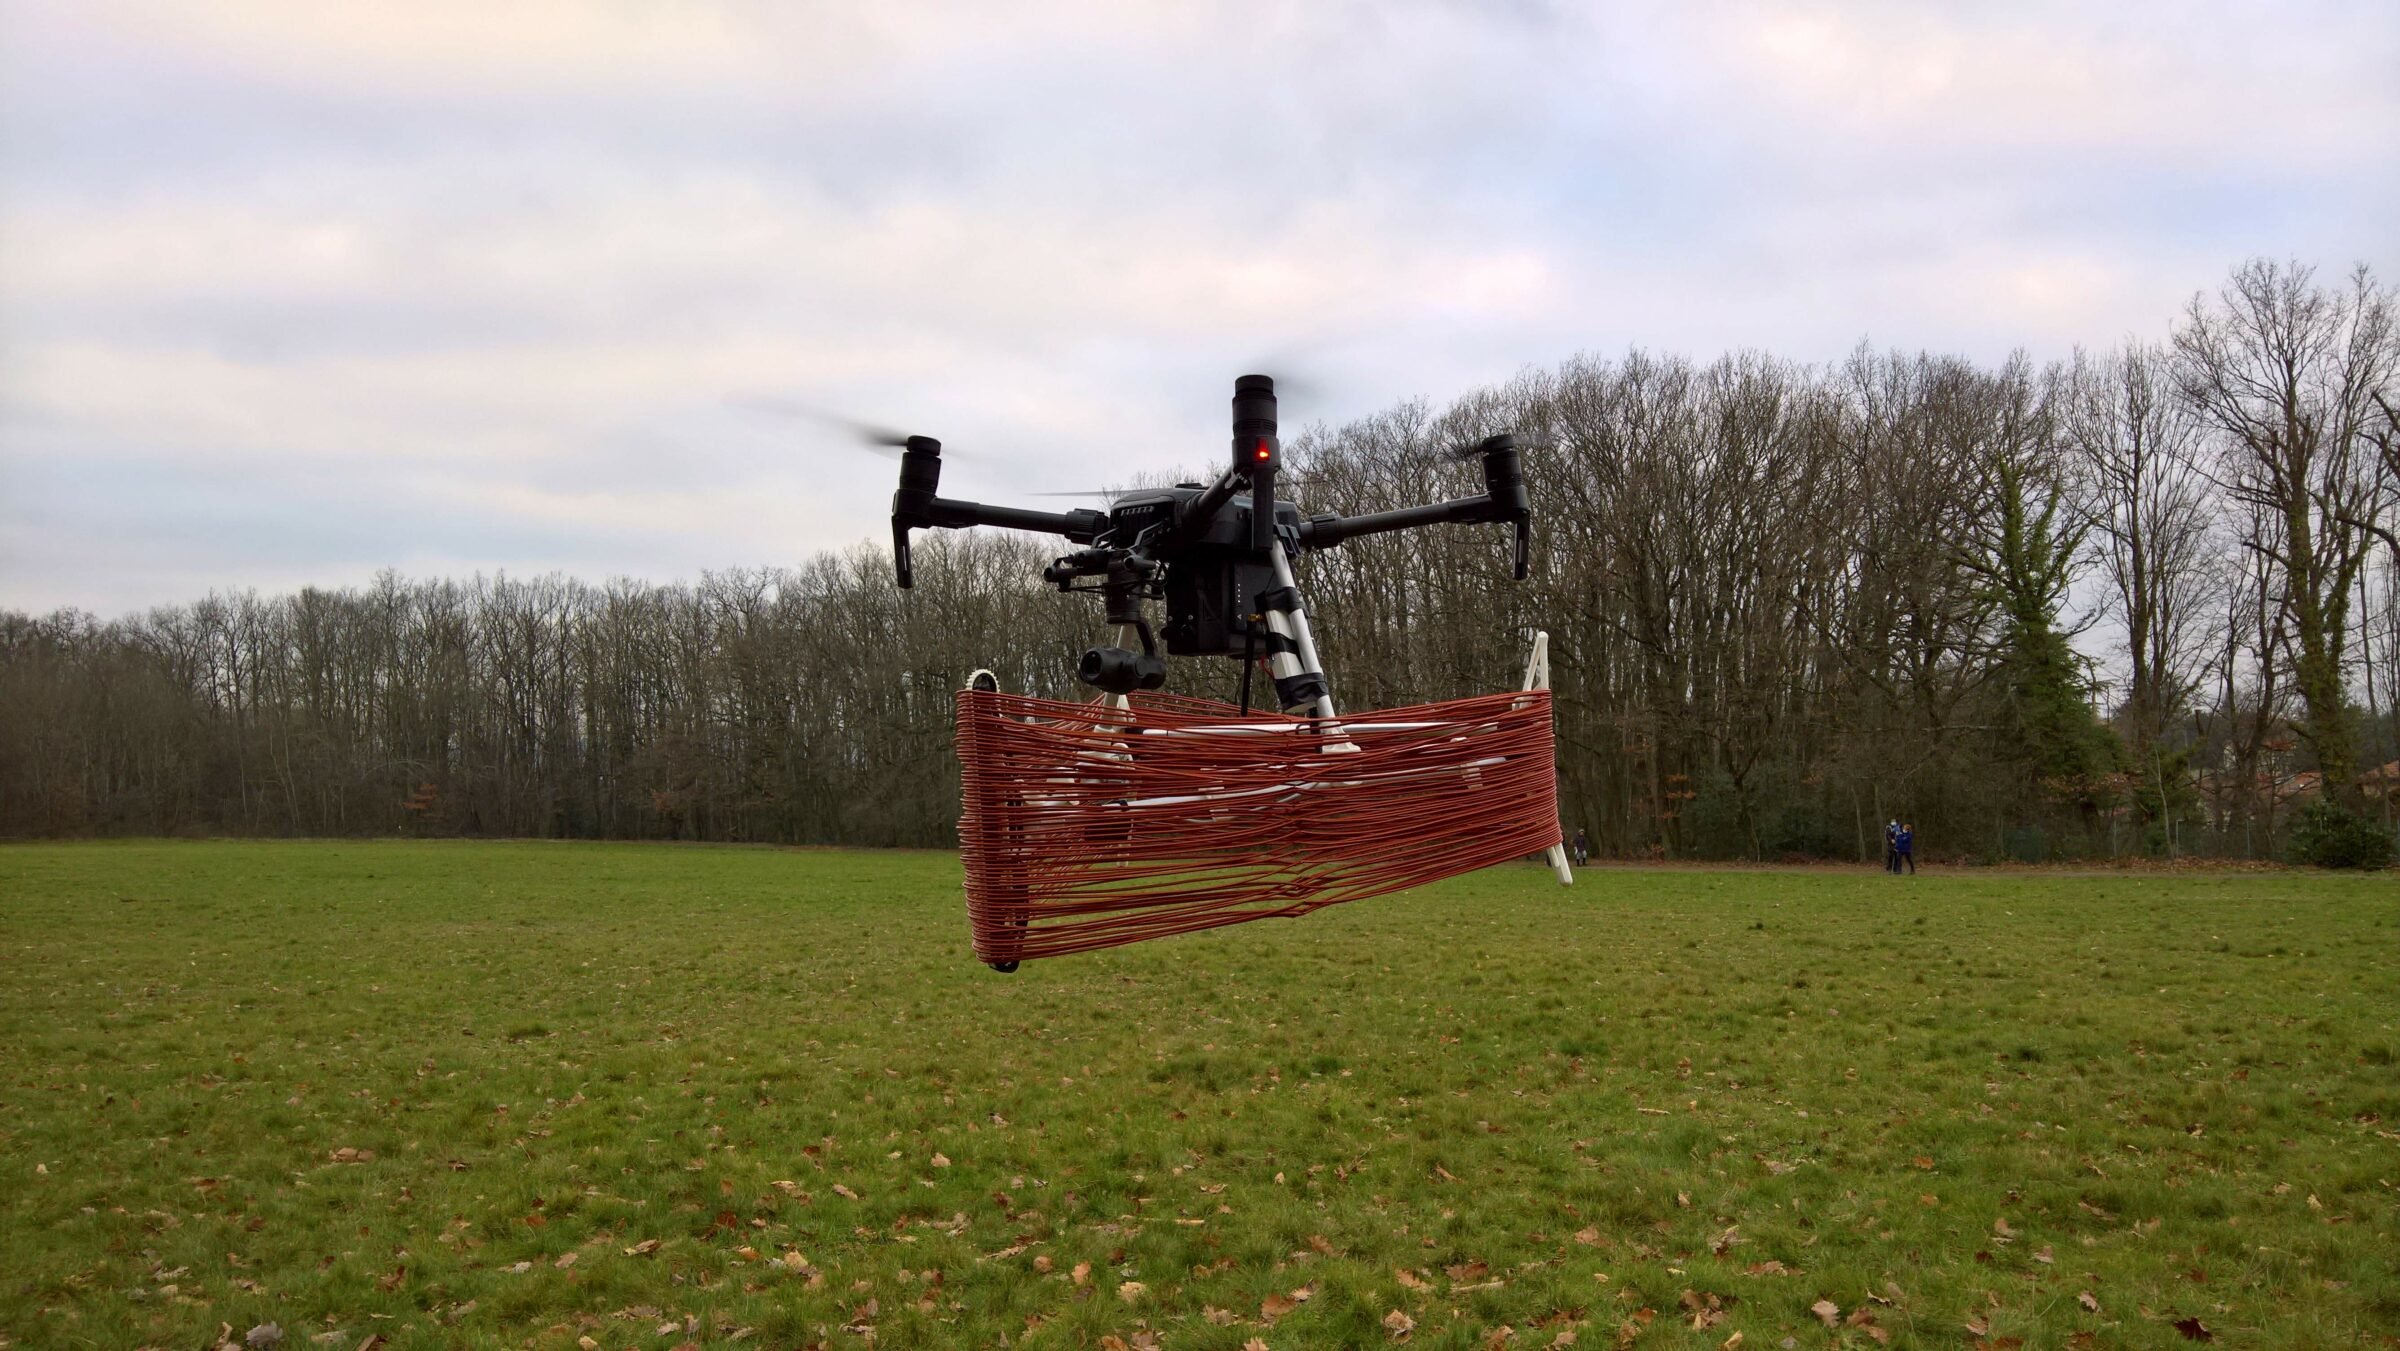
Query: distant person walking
[1583, 847]
[1905, 847]
[1891, 846]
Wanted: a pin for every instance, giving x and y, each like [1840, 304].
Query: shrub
[2331, 836]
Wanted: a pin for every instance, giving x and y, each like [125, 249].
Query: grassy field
[446, 1094]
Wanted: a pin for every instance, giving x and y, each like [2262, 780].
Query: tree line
[2143, 601]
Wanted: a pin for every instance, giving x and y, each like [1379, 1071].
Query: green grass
[768, 1096]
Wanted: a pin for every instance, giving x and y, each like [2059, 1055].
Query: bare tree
[2287, 373]
[2151, 513]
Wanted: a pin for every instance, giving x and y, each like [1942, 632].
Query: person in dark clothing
[1891, 847]
[1905, 848]
[1583, 847]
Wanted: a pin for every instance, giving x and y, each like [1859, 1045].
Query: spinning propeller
[874, 436]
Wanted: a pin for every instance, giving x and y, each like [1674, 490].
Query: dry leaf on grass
[1399, 1325]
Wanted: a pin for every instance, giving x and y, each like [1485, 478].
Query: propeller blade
[1470, 450]
[874, 436]
[1289, 384]
[1282, 481]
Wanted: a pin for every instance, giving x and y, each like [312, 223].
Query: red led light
[1263, 452]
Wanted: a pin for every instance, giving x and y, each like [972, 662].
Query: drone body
[1217, 555]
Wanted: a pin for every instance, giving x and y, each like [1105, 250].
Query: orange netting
[1088, 826]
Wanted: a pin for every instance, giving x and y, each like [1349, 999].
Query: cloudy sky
[291, 292]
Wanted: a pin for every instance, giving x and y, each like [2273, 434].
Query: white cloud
[499, 265]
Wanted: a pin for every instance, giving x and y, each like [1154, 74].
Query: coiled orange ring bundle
[1088, 826]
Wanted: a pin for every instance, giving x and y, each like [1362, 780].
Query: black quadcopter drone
[1219, 554]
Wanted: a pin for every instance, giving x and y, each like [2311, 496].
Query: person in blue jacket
[1904, 847]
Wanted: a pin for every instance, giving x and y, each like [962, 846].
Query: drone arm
[1503, 499]
[1195, 516]
[1324, 532]
[923, 511]
[1081, 526]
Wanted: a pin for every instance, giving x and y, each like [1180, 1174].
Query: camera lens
[1117, 671]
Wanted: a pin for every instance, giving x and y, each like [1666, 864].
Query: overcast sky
[292, 292]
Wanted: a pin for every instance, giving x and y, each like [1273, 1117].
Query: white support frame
[1537, 677]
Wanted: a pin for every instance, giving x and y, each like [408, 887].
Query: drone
[1218, 555]
[1140, 814]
